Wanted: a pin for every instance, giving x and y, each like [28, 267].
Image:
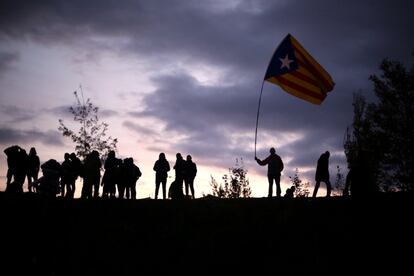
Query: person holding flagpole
[274, 168]
[298, 73]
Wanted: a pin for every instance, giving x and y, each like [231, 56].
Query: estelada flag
[298, 73]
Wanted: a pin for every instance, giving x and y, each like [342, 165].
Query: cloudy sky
[185, 76]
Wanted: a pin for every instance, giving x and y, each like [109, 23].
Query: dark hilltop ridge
[44, 236]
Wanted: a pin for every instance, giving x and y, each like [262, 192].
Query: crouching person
[48, 184]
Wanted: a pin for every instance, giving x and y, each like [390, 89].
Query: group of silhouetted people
[185, 173]
[275, 167]
[120, 175]
[21, 165]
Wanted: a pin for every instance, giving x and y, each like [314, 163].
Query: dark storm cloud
[141, 130]
[10, 136]
[349, 38]
[12, 114]
[210, 147]
[6, 61]
[106, 113]
[188, 106]
[216, 147]
[62, 111]
[339, 33]
[180, 28]
[219, 121]
[305, 151]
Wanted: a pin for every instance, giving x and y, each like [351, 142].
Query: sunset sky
[185, 76]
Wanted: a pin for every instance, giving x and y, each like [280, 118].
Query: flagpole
[260, 100]
[257, 119]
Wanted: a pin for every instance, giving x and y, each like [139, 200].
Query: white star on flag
[285, 62]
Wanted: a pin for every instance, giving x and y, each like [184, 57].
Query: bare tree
[92, 133]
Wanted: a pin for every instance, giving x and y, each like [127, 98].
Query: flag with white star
[298, 73]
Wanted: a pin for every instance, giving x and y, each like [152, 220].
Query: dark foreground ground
[206, 236]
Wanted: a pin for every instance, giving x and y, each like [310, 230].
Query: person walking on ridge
[322, 174]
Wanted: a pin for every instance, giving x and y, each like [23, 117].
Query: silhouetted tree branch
[236, 184]
[92, 133]
[382, 132]
[339, 184]
[301, 189]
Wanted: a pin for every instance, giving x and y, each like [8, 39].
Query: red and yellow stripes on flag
[309, 82]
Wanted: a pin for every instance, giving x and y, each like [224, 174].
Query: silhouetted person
[190, 174]
[132, 174]
[12, 153]
[111, 175]
[122, 179]
[91, 175]
[33, 167]
[322, 174]
[290, 192]
[179, 168]
[21, 169]
[17, 160]
[77, 170]
[14, 188]
[274, 168]
[176, 190]
[48, 184]
[66, 176]
[161, 168]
